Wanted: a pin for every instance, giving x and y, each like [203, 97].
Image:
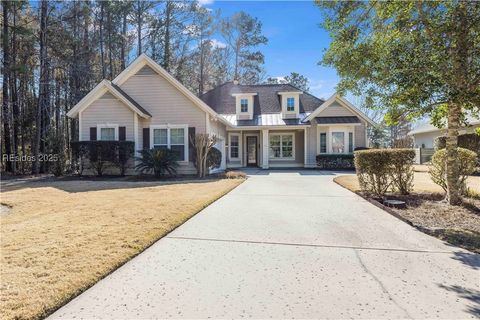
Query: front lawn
[60, 237]
[458, 225]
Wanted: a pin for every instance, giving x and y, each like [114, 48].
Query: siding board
[336, 110]
[111, 111]
[164, 102]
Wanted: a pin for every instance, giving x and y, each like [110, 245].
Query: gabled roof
[266, 100]
[101, 89]
[144, 60]
[343, 102]
[135, 103]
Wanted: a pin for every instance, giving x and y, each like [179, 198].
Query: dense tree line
[55, 52]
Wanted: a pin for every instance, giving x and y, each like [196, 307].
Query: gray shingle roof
[130, 99]
[332, 120]
[267, 99]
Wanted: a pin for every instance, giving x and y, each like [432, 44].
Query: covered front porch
[267, 148]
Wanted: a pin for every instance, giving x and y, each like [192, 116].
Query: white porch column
[305, 161]
[265, 147]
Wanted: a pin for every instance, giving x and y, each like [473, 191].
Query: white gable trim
[96, 93]
[344, 103]
[144, 60]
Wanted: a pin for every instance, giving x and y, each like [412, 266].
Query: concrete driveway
[290, 244]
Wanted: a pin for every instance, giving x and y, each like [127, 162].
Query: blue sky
[296, 42]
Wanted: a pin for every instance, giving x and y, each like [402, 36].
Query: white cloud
[205, 2]
[218, 44]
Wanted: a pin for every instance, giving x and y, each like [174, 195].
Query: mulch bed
[457, 225]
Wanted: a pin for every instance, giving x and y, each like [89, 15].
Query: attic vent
[107, 95]
[146, 71]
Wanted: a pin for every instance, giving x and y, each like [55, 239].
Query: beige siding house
[265, 126]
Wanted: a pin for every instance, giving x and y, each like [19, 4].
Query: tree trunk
[43, 85]
[5, 92]
[110, 60]
[166, 48]
[202, 66]
[124, 40]
[139, 27]
[102, 55]
[453, 190]
[237, 53]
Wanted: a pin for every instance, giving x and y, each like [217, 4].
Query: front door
[251, 151]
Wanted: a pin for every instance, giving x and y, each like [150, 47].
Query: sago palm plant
[158, 161]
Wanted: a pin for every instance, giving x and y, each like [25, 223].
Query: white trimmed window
[338, 142]
[290, 104]
[234, 146]
[282, 146]
[107, 132]
[323, 142]
[173, 137]
[243, 105]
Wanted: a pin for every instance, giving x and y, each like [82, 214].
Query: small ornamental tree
[203, 143]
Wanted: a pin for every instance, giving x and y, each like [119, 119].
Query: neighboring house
[257, 125]
[424, 135]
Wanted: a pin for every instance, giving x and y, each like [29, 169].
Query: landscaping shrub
[335, 161]
[56, 144]
[378, 170]
[102, 154]
[214, 158]
[361, 148]
[466, 162]
[125, 153]
[158, 161]
[79, 156]
[470, 141]
[401, 161]
[235, 174]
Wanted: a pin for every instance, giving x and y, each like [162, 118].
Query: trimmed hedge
[380, 170]
[102, 154]
[335, 161]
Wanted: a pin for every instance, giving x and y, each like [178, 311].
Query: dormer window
[290, 104]
[243, 105]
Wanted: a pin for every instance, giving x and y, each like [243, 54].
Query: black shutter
[93, 133]
[122, 133]
[191, 148]
[146, 138]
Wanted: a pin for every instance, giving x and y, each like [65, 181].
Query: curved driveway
[290, 244]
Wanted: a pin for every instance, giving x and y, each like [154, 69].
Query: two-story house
[264, 126]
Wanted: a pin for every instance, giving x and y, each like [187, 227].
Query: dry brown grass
[59, 238]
